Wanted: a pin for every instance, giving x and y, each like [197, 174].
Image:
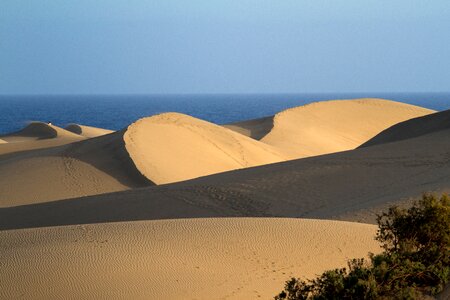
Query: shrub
[415, 261]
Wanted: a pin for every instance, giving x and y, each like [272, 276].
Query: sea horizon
[117, 111]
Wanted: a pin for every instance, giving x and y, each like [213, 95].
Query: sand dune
[173, 147]
[207, 258]
[328, 126]
[87, 131]
[2, 141]
[38, 131]
[37, 135]
[412, 128]
[339, 125]
[89, 167]
[351, 185]
[236, 258]
[164, 148]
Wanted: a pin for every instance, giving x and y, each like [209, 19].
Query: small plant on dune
[415, 261]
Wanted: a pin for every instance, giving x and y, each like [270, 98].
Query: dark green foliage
[415, 261]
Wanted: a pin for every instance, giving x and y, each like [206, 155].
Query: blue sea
[118, 111]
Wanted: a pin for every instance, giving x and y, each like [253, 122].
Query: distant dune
[175, 259]
[412, 128]
[37, 135]
[173, 147]
[38, 131]
[93, 166]
[328, 126]
[87, 131]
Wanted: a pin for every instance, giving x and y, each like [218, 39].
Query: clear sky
[229, 46]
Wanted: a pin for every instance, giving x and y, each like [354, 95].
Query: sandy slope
[256, 128]
[351, 185]
[165, 148]
[332, 126]
[2, 141]
[87, 131]
[240, 258]
[37, 135]
[412, 128]
[173, 147]
[89, 167]
[328, 126]
[236, 258]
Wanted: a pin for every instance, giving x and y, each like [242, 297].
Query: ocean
[118, 111]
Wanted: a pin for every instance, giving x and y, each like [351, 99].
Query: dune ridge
[359, 183]
[165, 148]
[198, 254]
[87, 131]
[172, 147]
[238, 258]
[335, 125]
[37, 135]
[38, 131]
[412, 128]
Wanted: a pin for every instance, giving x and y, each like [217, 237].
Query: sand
[412, 128]
[37, 135]
[92, 177]
[256, 128]
[2, 141]
[329, 126]
[173, 147]
[170, 148]
[240, 258]
[87, 131]
[38, 131]
[90, 167]
[352, 185]
[332, 126]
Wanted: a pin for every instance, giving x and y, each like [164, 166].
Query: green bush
[415, 261]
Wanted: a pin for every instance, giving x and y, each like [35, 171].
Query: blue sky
[175, 46]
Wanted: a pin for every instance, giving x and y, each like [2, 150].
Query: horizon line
[220, 93]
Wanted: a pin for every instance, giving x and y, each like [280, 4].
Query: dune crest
[37, 135]
[173, 147]
[38, 131]
[328, 126]
[412, 128]
[237, 258]
[87, 131]
[352, 185]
